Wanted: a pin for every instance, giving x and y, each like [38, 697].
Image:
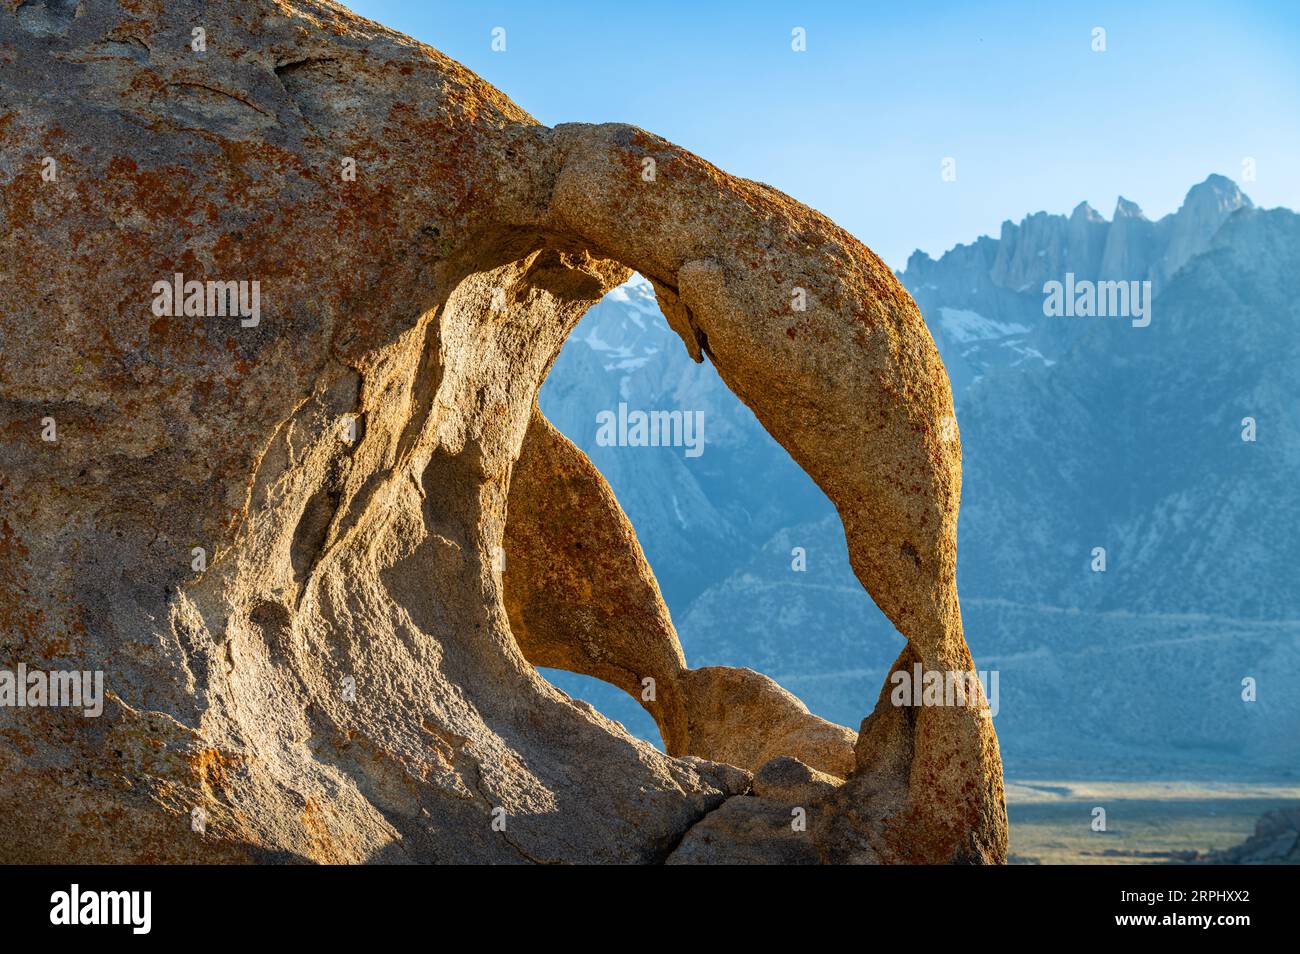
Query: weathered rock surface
[747, 831]
[579, 592]
[1276, 841]
[580, 596]
[744, 718]
[786, 779]
[280, 538]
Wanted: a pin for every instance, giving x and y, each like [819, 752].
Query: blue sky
[858, 125]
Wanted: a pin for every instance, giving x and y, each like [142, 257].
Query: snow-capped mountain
[1078, 433]
[984, 301]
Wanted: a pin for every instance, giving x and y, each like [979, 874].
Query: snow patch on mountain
[964, 326]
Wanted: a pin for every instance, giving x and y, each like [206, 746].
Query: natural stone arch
[851, 385]
[372, 560]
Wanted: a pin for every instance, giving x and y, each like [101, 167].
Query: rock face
[1276, 841]
[315, 534]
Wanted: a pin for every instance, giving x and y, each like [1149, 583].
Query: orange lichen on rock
[317, 556]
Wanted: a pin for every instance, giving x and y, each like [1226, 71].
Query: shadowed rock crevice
[342, 678]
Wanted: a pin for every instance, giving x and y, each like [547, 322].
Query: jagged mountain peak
[918, 259]
[1043, 247]
[1083, 212]
[1218, 192]
[1127, 209]
[1189, 230]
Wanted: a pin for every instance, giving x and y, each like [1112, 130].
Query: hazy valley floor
[1151, 822]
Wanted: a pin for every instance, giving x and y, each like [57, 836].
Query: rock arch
[415, 308]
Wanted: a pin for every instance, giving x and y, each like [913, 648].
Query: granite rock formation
[1276, 841]
[312, 528]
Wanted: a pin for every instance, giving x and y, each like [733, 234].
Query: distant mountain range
[984, 301]
[1077, 433]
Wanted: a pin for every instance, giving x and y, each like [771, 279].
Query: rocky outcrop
[748, 831]
[1276, 841]
[312, 530]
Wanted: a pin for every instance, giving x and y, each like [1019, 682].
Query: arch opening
[682, 456]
